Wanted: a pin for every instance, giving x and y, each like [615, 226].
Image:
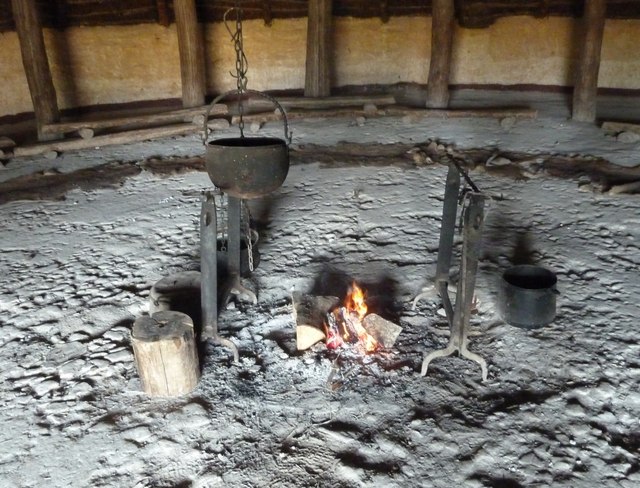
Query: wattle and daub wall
[100, 54]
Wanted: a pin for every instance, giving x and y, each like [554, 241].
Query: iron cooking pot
[528, 296]
[248, 167]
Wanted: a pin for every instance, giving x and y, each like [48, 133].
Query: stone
[45, 387]
[121, 356]
[114, 336]
[80, 390]
[370, 109]
[508, 123]
[360, 121]
[499, 161]
[628, 137]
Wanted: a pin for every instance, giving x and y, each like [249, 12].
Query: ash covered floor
[560, 407]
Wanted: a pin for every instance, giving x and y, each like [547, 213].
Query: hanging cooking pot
[247, 167]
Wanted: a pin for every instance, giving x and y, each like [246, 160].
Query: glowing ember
[345, 323]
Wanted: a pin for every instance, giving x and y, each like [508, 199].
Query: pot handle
[287, 132]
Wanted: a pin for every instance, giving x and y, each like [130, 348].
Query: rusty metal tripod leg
[445, 245]
[209, 274]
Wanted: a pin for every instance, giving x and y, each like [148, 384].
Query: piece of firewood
[165, 350]
[382, 330]
[309, 314]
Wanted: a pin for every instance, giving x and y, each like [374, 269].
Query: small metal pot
[248, 167]
[528, 296]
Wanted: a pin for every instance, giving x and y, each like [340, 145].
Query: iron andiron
[458, 314]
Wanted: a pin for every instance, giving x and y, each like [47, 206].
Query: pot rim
[247, 142]
[530, 277]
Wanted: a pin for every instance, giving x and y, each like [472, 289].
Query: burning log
[309, 313]
[352, 324]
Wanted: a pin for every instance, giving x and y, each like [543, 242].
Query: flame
[354, 309]
[355, 301]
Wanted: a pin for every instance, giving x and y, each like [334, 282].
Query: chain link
[242, 64]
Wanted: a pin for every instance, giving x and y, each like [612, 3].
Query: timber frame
[28, 14]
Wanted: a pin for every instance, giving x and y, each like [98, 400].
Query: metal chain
[242, 64]
[246, 217]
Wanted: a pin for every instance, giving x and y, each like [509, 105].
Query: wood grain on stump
[165, 350]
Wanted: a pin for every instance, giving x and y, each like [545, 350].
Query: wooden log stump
[164, 346]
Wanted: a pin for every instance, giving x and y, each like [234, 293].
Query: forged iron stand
[458, 314]
[209, 253]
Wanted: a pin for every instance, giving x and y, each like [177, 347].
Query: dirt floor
[560, 407]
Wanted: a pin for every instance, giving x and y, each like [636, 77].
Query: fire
[345, 323]
[355, 301]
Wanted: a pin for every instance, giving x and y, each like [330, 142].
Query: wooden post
[36, 64]
[191, 53]
[586, 82]
[162, 8]
[317, 82]
[441, 47]
[267, 13]
[164, 346]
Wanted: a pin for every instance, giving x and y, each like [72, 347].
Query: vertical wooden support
[162, 7]
[191, 53]
[36, 64]
[441, 48]
[267, 12]
[585, 87]
[317, 81]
